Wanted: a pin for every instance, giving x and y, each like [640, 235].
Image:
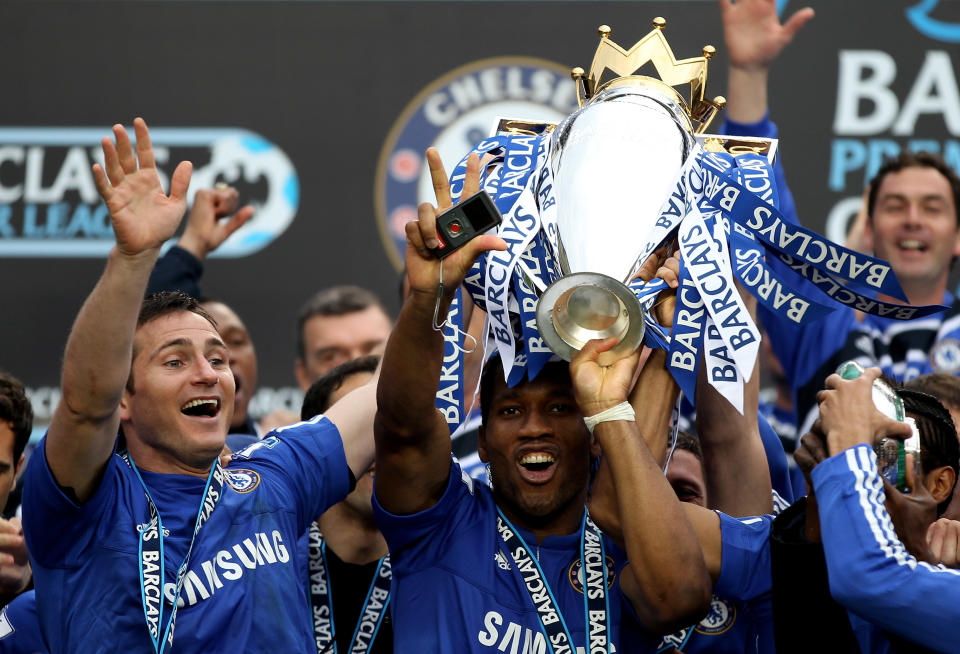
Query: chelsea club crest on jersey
[242, 480]
[721, 617]
[452, 114]
[945, 356]
[575, 573]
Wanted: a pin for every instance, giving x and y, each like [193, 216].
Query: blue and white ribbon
[724, 210]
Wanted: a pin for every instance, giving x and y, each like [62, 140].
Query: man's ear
[940, 483]
[866, 237]
[595, 449]
[16, 473]
[300, 370]
[125, 405]
[482, 444]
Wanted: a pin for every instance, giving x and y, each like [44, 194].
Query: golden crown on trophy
[652, 48]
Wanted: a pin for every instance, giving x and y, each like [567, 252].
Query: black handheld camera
[458, 225]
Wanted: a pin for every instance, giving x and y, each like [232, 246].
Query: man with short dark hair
[882, 580]
[158, 527]
[336, 325]
[213, 217]
[913, 223]
[945, 388]
[685, 472]
[520, 565]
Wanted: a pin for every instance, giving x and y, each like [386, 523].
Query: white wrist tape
[623, 411]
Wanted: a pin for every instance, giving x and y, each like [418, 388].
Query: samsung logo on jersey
[452, 114]
[228, 565]
[503, 635]
[49, 205]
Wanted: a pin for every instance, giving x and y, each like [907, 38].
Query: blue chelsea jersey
[740, 620]
[456, 590]
[746, 583]
[243, 590]
[19, 628]
[910, 598]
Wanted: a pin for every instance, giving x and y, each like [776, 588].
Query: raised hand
[423, 269]
[849, 416]
[666, 266]
[943, 539]
[753, 33]
[207, 228]
[599, 387]
[15, 572]
[143, 216]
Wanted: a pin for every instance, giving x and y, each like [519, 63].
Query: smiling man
[519, 567]
[128, 535]
[913, 222]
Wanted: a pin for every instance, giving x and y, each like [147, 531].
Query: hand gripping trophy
[586, 201]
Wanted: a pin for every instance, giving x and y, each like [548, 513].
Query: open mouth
[203, 408]
[912, 245]
[537, 467]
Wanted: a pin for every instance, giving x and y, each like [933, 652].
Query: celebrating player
[476, 569]
[127, 536]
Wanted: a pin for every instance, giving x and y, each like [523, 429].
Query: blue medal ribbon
[449, 396]
[321, 604]
[595, 596]
[151, 554]
[374, 607]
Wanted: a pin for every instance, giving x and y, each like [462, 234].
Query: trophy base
[584, 306]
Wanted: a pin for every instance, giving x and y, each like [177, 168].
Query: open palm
[143, 216]
[754, 34]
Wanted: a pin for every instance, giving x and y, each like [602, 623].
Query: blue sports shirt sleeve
[776, 461]
[425, 536]
[745, 558]
[60, 532]
[177, 270]
[913, 599]
[309, 456]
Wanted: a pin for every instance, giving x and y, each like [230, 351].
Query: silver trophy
[615, 161]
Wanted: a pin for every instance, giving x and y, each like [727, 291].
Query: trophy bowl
[615, 161]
